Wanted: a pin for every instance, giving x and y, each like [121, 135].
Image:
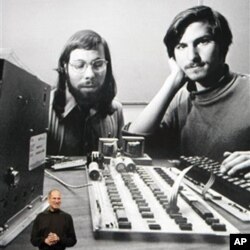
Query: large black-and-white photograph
[124, 124]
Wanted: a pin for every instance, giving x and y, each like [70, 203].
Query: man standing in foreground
[53, 229]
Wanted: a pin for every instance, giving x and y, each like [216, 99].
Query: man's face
[86, 72]
[198, 54]
[54, 200]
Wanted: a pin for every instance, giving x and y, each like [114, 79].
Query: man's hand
[236, 162]
[51, 239]
[177, 73]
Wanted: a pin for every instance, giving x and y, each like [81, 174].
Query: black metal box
[24, 105]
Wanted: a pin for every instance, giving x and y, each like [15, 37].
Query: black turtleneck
[57, 222]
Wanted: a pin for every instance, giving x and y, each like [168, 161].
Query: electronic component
[108, 146]
[137, 203]
[133, 147]
[24, 105]
[235, 188]
[96, 157]
[69, 164]
[123, 164]
[94, 172]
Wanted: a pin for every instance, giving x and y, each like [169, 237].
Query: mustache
[193, 65]
[87, 84]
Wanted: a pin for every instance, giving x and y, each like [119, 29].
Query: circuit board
[137, 202]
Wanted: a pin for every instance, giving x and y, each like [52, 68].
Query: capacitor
[94, 172]
[124, 164]
[130, 165]
[119, 164]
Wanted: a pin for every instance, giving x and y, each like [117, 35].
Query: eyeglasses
[97, 66]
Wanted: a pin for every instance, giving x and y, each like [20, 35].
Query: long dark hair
[84, 39]
[220, 28]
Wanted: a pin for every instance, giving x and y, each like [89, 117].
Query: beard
[86, 98]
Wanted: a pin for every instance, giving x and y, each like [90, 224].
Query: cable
[64, 183]
[175, 188]
[208, 184]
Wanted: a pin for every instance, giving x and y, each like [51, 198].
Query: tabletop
[76, 202]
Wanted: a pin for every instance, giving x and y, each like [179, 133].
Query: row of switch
[141, 202]
[173, 212]
[116, 202]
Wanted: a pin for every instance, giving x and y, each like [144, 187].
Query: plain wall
[36, 31]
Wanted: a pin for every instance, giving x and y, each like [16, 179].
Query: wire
[175, 188]
[208, 184]
[64, 183]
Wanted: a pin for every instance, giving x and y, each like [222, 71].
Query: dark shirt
[78, 132]
[204, 123]
[57, 222]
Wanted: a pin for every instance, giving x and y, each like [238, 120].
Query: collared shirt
[78, 131]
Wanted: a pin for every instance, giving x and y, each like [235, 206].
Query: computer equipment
[138, 202]
[236, 188]
[24, 105]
